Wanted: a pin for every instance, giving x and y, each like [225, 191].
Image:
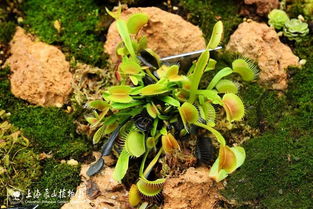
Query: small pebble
[20, 19]
[72, 162]
[302, 62]
[300, 17]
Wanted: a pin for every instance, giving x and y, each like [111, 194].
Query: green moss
[276, 173]
[51, 129]
[264, 108]
[7, 101]
[19, 164]
[78, 34]
[278, 170]
[56, 178]
[206, 12]
[7, 31]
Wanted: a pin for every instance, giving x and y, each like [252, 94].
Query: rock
[263, 7]
[261, 43]
[40, 73]
[98, 192]
[72, 162]
[167, 33]
[194, 190]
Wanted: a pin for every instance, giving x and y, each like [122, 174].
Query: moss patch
[51, 129]
[264, 108]
[77, 21]
[278, 172]
[19, 164]
[7, 31]
[59, 182]
[205, 13]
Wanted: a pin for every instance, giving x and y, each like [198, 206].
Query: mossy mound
[71, 24]
[263, 107]
[278, 172]
[19, 164]
[205, 13]
[56, 186]
[51, 129]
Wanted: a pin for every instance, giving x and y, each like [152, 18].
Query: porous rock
[40, 73]
[98, 192]
[194, 190]
[263, 7]
[167, 33]
[261, 43]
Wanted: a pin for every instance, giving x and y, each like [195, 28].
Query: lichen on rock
[261, 43]
[40, 73]
[167, 33]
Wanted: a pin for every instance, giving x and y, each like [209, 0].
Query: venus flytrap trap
[143, 115]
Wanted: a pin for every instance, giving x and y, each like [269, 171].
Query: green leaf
[153, 89]
[134, 197]
[243, 68]
[222, 73]
[209, 111]
[120, 106]
[211, 65]
[135, 143]
[154, 127]
[129, 67]
[121, 166]
[150, 188]
[188, 113]
[240, 155]
[171, 101]
[226, 86]
[123, 31]
[197, 74]
[216, 36]
[211, 95]
[152, 110]
[216, 174]
[233, 106]
[116, 14]
[136, 21]
[91, 120]
[134, 80]
[99, 105]
[119, 94]
[229, 159]
[99, 134]
[217, 134]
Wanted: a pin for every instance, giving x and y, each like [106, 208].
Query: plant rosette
[140, 116]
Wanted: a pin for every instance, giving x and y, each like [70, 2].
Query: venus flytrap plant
[143, 114]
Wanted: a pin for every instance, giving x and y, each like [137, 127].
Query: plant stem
[197, 74]
[217, 134]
